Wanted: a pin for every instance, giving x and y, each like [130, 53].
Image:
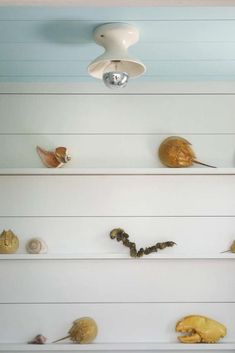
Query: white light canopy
[115, 66]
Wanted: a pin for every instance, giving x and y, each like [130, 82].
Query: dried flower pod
[120, 235]
[54, 159]
[116, 232]
[231, 249]
[83, 330]
[176, 152]
[36, 246]
[9, 243]
[39, 339]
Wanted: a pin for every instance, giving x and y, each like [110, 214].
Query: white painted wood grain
[112, 151]
[105, 281]
[64, 31]
[116, 322]
[86, 235]
[49, 51]
[208, 122]
[141, 347]
[194, 170]
[117, 195]
[117, 347]
[157, 88]
[76, 70]
[165, 114]
[197, 13]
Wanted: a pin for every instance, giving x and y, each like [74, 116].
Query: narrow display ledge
[112, 256]
[117, 171]
[118, 347]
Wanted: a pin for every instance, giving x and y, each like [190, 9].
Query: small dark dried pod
[160, 246]
[39, 339]
[170, 243]
[133, 252]
[150, 249]
[120, 236]
[125, 235]
[126, 242]
[140, 253]
[116, 233]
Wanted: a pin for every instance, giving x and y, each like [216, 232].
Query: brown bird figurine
[176, 152]
[53, 159]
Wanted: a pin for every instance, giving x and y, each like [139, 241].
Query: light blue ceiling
[54, 44]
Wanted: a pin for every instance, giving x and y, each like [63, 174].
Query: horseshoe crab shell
[176, 152]
[9, 243]
[36, 246]
[231, 249]
[83, 330]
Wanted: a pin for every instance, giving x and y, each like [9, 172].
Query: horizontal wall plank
[117, 195]
[151, 322]
[80, 32]
[193, 235]
[94, 87]
[117, 347]
[161, 68]
[117, 13]
[86, 80]
[144, 51]
[116, 281]
[111, 151]
[169, 114]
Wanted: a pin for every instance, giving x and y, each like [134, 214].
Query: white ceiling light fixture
[115, 66]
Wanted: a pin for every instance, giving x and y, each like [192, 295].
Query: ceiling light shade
[116, 38]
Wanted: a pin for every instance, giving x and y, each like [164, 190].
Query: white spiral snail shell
[36, 246]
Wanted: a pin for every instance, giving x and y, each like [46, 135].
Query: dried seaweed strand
[120, 235]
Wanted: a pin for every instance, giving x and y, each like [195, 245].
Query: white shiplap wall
[132, 300]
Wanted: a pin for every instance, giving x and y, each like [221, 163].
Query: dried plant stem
[120, 235]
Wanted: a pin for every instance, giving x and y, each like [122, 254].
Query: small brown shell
[36, 246]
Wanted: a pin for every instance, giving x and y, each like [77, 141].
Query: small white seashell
[36, 246]
[39, 339]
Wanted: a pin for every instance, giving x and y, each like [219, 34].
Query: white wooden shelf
[118, 171]
[112, 256]
[118, 347]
